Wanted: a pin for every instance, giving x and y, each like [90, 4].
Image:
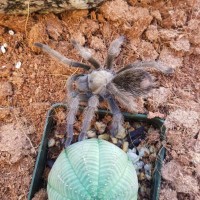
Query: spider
[104, 83]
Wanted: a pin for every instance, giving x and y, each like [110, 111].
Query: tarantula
[104, 83]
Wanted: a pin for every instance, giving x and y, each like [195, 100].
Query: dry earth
[155, 30]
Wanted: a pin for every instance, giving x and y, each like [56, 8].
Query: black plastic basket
[37, 179]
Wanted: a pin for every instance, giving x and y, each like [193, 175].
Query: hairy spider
[131, 81]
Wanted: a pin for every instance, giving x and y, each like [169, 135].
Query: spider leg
[60, 57]
[88, 115]
[149, 64]
[74, 98]
[73, 108]
[113, 51]
[86, 54]
[70, 88]
[117, 116]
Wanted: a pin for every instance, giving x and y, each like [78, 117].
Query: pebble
[114, 140]
[121, 133]
[91, 134]
[104, 136]
[127, 125]
[143, 152]
[125, 146]
[152, 149]
[137, 125]
[141, 176]
[51, 142]
[100, 126]
[3, 49]
[153, 157]
[5, 45]
[134, 150]
[147, 169]
[11, 32]
[139, 165]
[58, 143]
[18, 65]
[33, 151]
[148, 177]
[58, 135]
[133, 156]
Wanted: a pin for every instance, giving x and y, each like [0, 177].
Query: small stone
[58, 135]
[153, 157]
[133, 156]
[18, 65]
[134, 150]
[33, 151]
[147, 169]
[125, 146]
[148, 177]
[58, 143]
[137, 125]
[152, 149]
[114, 140]
[11, 32]
[104, 136]
[141, 176]
[143, 152]
[51, 142]
[5, 45]
[100, 126]
[2, 67]
[139, 165]
[91, 134]
[127, 125]
[3, 49]
[121, 133]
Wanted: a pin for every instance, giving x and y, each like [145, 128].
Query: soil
[31, 81]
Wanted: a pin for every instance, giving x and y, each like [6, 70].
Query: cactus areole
[93, 169]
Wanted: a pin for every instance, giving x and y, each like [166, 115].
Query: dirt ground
[31, 81]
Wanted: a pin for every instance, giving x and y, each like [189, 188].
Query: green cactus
[93, 169]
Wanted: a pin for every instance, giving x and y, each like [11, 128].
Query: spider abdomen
[137, 82]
